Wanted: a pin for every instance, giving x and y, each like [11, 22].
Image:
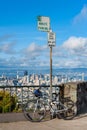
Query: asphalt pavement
[78, 123]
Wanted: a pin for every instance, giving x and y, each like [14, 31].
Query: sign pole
[51, 72]
[51, 43]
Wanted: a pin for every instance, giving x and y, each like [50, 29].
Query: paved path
[55, 124]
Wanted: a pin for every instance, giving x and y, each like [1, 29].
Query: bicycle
[35, 109]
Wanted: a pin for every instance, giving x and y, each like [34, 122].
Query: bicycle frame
[56, 104]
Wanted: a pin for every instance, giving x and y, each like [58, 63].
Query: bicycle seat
[37, 93]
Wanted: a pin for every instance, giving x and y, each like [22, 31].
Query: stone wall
[77, 91]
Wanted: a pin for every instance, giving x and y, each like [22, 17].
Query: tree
[7, 102]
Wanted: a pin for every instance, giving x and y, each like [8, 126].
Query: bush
[7, 102]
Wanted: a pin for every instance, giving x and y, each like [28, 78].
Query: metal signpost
[51, 43]
[44, 25]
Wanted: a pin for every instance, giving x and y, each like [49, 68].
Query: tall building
[26, 77]
[25, 73]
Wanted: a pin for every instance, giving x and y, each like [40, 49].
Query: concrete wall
[77, 91]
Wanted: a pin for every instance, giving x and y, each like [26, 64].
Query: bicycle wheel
[34, 110]
[71, 111]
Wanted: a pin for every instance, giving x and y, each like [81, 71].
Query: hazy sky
[22, 44]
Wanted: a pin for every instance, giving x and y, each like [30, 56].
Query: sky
[23, 45]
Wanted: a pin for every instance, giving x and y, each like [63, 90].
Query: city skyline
[23, 45]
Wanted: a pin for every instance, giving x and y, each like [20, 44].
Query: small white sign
[43, 23]
[51, 39]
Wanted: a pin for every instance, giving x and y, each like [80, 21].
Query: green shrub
[7, 102]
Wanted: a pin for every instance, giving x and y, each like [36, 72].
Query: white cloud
[34, 50]
[76, 45]
[72, 53]
[82, 16]
[7, 48]
[7, 44]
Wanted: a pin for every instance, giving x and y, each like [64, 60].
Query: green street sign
[43, 23]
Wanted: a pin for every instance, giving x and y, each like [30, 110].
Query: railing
[17, 96]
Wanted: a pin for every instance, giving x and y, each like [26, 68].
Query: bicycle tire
[34, 111]
[71, 112]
